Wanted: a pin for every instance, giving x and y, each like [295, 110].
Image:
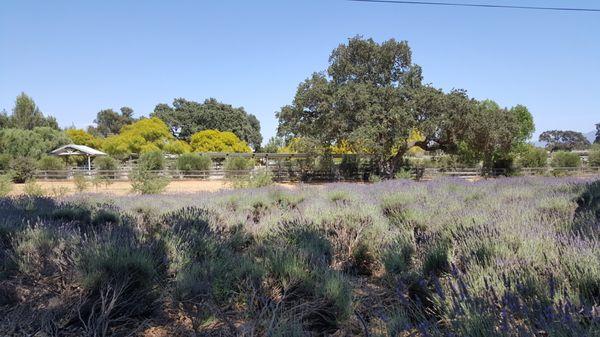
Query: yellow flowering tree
[145, 135]
[217, 141]
[81, 137]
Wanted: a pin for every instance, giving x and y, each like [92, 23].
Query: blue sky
[78, 57]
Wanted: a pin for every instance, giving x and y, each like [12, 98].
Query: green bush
[72, 213]
[119, 264]
[51, 163]
[257, 180]
[565, 159]
[238, 164]
[23, 169]
[33, 250]
[105, 163]
[146, 182]
[398, 256]
[403, 174]
[594, 156]
[81, 182]
[437, 258]
[4, 162]
[533, 157]
[6, 185]
[193, 162]
[151, 161]
[106, 217]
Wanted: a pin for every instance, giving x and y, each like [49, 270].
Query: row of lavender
[501, 257]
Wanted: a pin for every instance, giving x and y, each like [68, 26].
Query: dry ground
[58, 188]
[62, 188]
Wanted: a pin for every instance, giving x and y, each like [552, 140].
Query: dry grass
[63, 188]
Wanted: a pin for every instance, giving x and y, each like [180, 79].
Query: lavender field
[500, 257]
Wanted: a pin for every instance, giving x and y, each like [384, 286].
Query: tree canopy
[145, 135]
[372, 98]
[558, 140]
[597, 140]
[188, 117]
[31, 143]
[26, 115]
[81, 137]
[108, 122]
[217, 141]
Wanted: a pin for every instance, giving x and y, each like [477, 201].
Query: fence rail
[294, 174]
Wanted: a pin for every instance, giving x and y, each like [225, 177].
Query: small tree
[22, 168]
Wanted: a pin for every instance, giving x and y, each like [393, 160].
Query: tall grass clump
[6, 184]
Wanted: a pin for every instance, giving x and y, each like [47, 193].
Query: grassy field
[500, 257]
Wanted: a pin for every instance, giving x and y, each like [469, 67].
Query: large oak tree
[372, 97]
[185, 118]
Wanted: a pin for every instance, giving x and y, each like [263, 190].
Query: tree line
[371, 99]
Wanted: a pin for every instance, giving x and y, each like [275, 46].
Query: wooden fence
[283, 174]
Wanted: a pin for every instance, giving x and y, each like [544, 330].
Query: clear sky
[78, 57]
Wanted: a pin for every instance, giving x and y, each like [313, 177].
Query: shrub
[193, 162]
[6, 185]
[33, 189]
[151, 161]
[403, 174]
[117, 265]
[105, 163]
[33, 250]
[106, 217]
[51, 163]
[335, 289]
[146, 182]
[81, 182]
[4, 162]
[565, 159]
[398, 256]
[238, 164]
[533, 157]
[72, 213]
[594, 156]
[23, 169]
[437, 258]
[260, 179]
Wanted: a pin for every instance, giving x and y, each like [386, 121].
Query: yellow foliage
[145, 135]
[343, 147]
[80, 137]
[177, 147]
[218, 141]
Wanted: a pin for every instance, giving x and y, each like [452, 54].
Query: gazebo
[78, 150]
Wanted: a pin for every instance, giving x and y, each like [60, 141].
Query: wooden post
[89, 163]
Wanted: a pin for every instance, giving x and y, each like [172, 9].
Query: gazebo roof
[75, 150]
